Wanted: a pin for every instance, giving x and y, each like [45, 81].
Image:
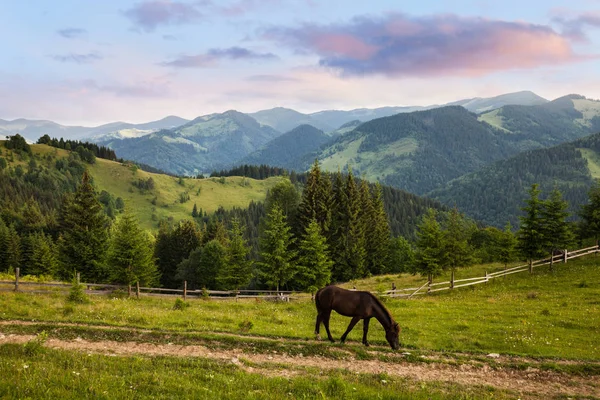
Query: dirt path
[528, 383]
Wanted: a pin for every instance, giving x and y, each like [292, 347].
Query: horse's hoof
[366, 344]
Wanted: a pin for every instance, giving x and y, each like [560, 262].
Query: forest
[321, 228]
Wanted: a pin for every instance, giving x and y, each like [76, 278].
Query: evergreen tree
[430, 255]
[3, 246]
[456, 247]
[314, 263]
[43, 257]
[401, 256]
[285, 195]
[507, 245]
[84, 235]
[276, 266]
[316, 201]
[237, 272]
[172, 247]
[195, 211]
[131, 253]
[203, 265]
[530, 237]
[11, 256]
[335, 236]
[377, 241]
[590, 214]
[557, 232]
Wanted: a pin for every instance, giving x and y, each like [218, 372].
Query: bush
[77, 294]
[180, 305]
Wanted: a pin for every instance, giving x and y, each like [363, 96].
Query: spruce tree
[456, 247]
[506, 245]
[314, 263]
[84, 229]
[11, 256]
[276, 266]
[174, 246]
[195, 211]
[237, 271]
[557, 232]
[430, 254]
[316, 201]
[377, 240]
[43, 259]
[530, 237]
[590, 214]
[336, 234]
[203, 266]
[353, 234]
[401, 256]
[130, 254]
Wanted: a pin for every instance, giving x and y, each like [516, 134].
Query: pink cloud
[398, 45]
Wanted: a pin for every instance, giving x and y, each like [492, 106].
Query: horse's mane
[385, 310]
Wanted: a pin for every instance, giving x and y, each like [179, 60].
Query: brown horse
[358, 305]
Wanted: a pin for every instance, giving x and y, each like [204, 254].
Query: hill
[287, 150]
[169, 198]
[202, 145]
[285, 119]
[495, 194]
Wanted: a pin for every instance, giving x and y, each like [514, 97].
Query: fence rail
[427, 286]
[285, 295]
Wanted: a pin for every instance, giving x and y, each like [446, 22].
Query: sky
[89, 62]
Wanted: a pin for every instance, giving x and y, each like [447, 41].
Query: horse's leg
[365, 331]
[326, 316]
[318, 326]
[350, 326]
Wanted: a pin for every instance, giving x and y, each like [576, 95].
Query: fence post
[452, 280]
[129, 290]
[530, 266]
[137, 289]
[429, 283]
[486, 277]
[184, 290]
[17, 270]
[78, 278]
[565, 255]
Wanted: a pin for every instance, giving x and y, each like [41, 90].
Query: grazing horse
[358, 305]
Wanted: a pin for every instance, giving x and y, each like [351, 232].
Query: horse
[358, 305]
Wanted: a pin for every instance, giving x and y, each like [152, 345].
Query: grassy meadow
[163, 201]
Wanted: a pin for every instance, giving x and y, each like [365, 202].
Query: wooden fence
[282, 295]
[430, 287]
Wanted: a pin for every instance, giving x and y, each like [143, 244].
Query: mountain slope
[286, 150]
[209, 142]
[479, 105]
[34, 129]
[495, 194]
[285, 119]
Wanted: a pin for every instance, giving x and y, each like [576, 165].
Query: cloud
[213, 56]
[71, 33]
[242, 7]
[148, 15]
[397, 45]
[574, 27]
[271, 78]
[77, 58]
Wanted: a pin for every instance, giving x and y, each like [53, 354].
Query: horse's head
[391, 335]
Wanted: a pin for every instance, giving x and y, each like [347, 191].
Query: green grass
[53, 374]
[593, 161]
[550, 314]
[208, 194]
[494, 119]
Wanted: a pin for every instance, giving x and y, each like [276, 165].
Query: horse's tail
[317, 302]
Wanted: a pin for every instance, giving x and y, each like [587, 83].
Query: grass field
[164, 200]
[549, 321]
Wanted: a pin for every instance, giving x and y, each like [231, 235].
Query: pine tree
[238, 270]
[44, 255]
[314, 263]
[172, 247]
[557, 232]
[507, 245]
[456, 247]
[590, 214]
[430, 255]
[336, 234]
[195, 211]
[12, 250]
[130, 254]
[531, 238]
[316, 201]
[377, 241]
[276, 266]
[84, 235]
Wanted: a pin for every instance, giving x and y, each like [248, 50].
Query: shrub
[36, 345]
[180, 305]
[77, 294]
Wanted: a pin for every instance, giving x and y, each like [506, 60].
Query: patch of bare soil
[528, 383]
